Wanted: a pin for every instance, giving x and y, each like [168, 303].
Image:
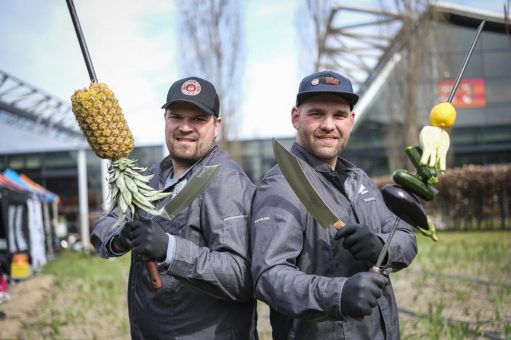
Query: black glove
[122, 241]
[361, 242]
[149, 239]
[360, 293]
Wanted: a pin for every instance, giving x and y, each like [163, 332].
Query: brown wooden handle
[339, 224]
[154, 273]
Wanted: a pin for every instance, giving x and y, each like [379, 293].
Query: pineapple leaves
[129, 190]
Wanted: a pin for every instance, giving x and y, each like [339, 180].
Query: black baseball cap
[196, 91]
[326, 82]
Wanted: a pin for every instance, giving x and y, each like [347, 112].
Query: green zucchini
[427, 173]
[414, 184]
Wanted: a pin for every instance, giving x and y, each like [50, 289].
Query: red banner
[470, 93]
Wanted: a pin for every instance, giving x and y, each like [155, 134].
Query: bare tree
[311, 21]
[355, 42]
[212, 46]
[413, 47]
[402, 102]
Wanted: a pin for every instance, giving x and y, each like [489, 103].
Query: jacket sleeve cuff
[110, 249]
[171, 250]
[332, 301]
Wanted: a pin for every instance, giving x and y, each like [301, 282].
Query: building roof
[379, 54]
[15, 139]
[32, 120]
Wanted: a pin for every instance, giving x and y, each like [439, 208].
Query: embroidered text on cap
[191, 88]
[325, 81]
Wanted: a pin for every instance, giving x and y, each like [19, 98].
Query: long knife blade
[302, 187]
[196, 184]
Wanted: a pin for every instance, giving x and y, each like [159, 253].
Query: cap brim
[199, 105]
[351, 98]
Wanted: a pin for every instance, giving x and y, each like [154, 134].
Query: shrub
[472, 197]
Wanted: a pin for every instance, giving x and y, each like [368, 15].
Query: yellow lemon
[443, 115]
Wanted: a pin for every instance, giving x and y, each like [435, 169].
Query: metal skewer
[467, 58]
[81, 40]
[385, 248]
[152, 268]
[377, 267]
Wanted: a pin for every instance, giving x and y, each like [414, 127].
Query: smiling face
[323, 124]
[189, 133]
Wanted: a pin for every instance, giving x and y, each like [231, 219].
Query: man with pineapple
[202, 252]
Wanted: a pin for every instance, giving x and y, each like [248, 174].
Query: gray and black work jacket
[299, 269]
[207, 290]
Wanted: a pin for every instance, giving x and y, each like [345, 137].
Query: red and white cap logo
[190, 88]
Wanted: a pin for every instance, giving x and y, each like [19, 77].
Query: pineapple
[101, 120]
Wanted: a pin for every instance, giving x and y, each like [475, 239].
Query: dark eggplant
[408, 208]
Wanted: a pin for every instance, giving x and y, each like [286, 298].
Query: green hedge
[471, 198]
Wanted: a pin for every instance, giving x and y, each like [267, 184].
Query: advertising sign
[470, 93]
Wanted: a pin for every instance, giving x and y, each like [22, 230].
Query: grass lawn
[457, 288]
[88, 302]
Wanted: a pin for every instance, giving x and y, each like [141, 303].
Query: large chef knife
[302, 187]
[195, 185]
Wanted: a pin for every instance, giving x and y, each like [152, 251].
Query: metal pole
[55, 221]
[83, 199]
[81, 40]
[383, 252]
[467, 58]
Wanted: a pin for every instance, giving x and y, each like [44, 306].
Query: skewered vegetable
[425, 172]
[414, 184]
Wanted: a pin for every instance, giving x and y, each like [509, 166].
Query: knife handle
[154, 274]
[376, 270]
[339, 224]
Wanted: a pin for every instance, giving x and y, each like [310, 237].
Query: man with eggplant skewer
[316, 286]
[317, 282]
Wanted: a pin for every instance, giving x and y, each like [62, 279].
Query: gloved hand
[149, 239]
[361, 292]
[122, 241]
[361, 242]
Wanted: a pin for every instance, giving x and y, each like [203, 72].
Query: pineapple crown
[196, 91]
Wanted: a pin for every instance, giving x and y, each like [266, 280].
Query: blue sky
[134, 50]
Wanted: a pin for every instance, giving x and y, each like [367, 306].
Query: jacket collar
[166, 165]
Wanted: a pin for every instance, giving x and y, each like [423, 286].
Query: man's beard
[189, 155]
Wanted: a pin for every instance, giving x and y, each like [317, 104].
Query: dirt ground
[29, 299]
[483, 309]
[26, 299]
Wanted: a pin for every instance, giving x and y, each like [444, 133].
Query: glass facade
[257, 156]
[482, 132]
